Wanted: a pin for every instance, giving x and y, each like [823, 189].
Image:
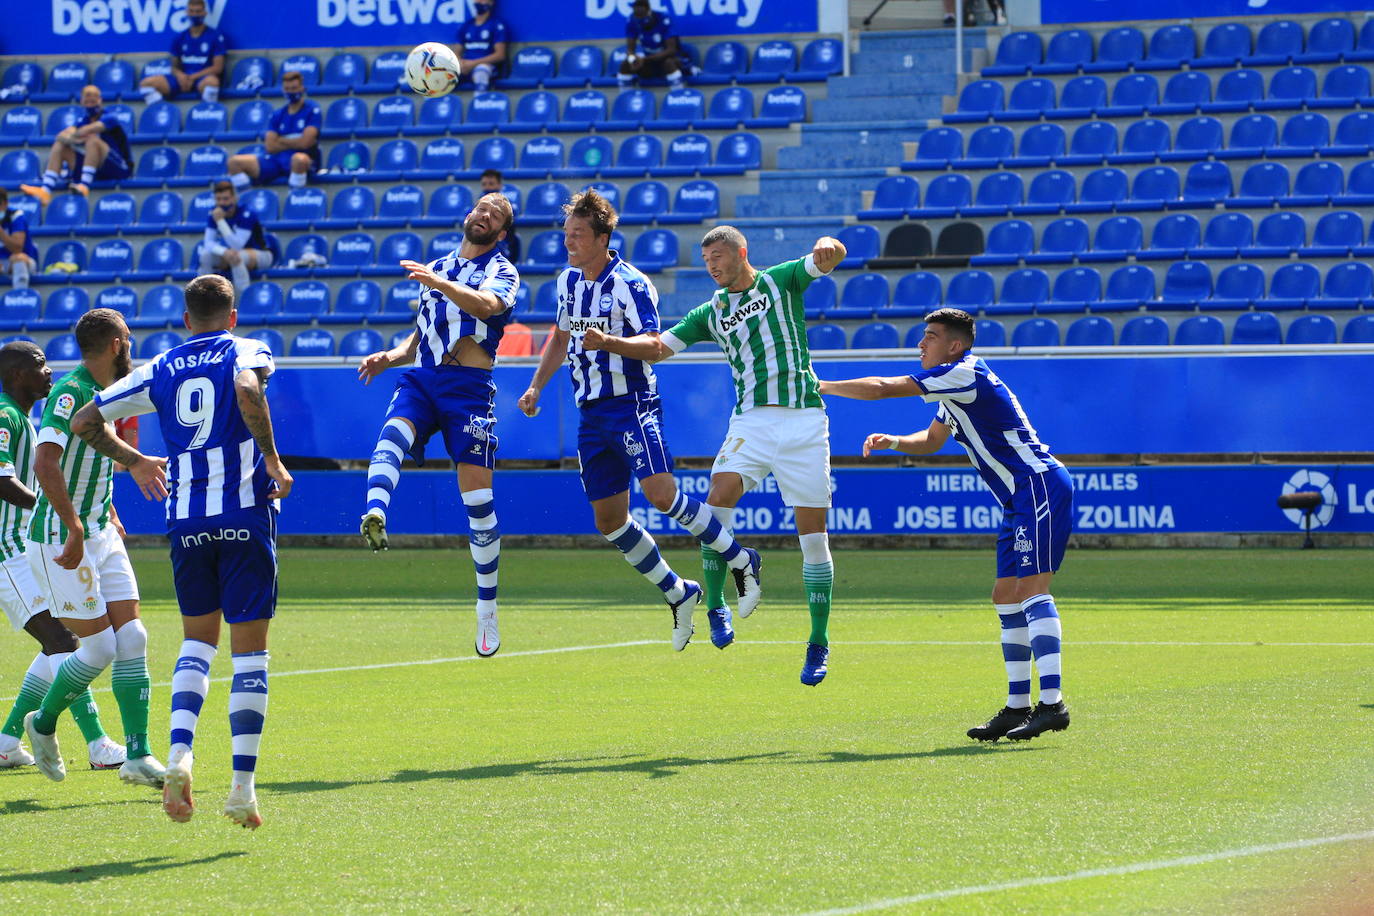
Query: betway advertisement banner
[1136, 500]
[122, 26]
[1117, 10]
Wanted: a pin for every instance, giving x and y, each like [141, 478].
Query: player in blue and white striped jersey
[469, 299]
[220, 477]
[233, 238]
[1034, 488]
[621, 429]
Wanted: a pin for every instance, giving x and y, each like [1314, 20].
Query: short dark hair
[223, 184]
[727, 235]
[4, 195]
[957, 321]
[18, 355]
[293, 75]
[638, 3]
[493, 173]
[595, 209]
[209, 297]
[96, 328]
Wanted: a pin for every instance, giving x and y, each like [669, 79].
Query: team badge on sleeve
[66, 403]
[4, 440]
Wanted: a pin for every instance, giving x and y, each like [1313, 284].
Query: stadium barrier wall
[878, 501]
[100, 26]
[1081, 405]
[1056, 11]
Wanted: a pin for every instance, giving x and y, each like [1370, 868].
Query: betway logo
[400, 196]
[109, 251]
[309, 292]
[690, 146]
[331, 14]
[746, 12]
[207, 157]
[696, 194]
[353, 245]
[776, 52]
[489, 102]
[756, 307]
[114, 298]
[544, 146]
[116, 204]
[96, 17]
[593, 101]
[396, 106]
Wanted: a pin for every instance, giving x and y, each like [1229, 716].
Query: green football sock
[31, 693]
[132, 686]
[819, 579]
[713, 569]
[72, 680]
[87, 716]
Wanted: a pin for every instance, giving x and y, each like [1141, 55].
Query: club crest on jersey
[89, 604]
[66, 403]
[606, 301]
[476, 278]
[632, 447]
[4, 443]
[1022, 544]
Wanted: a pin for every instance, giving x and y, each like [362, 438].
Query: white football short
[791, 444]
[104, 575]
[19, 593]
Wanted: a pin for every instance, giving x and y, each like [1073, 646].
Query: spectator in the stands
[493, 182]
[234, 239]
[652, 47]
[998, 8]
[95, 149]
[292, 141]
[18, 254]
[481, 46]
[197, 61]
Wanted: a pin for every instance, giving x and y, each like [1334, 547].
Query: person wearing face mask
[481, 45]
[95, 149]
[234, 239]
[18, 253]
[197, 61]
[292, 141]
[652, 48]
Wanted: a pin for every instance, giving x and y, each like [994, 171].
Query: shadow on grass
[29, 806]
[133, 868]
[1367, 705]
[961, 750]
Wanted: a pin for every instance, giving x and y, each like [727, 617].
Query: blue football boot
[817, 664]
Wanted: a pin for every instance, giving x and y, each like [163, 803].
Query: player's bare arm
[828, 253]
[16, 494]
[873, 388]
[149, 473]
[251, 389]
[646, 347]
[549, 363]
[273, 142]
[477, 303]
[47, 468]
[374, 364]
[926, 442]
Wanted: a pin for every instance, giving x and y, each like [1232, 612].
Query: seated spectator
[197, 61]
[18, 254]
[652, 46]
[292, 141]
[94, 150]
[233, 239]
[481, 46]
[493, 182]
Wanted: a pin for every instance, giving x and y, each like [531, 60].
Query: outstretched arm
[403, 354]
[926, 442]
[555, 351]
[647, 347]
[873, 388]
[150, 473]
[828, 253]
[479, 303]
[251, 389]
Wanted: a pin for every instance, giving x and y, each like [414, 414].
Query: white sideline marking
[1136, 868]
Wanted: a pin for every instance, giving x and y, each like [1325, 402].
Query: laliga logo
[1312, 480]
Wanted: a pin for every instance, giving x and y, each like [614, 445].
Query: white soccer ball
[432, 69]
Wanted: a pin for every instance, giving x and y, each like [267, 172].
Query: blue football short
[114, 168]
[457, 401]
[226, 562]
[1036, 525]
[619, 437]
[278, 165]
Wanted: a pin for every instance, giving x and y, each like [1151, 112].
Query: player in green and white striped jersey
[26, 378]
[779, 425]
[78, 556]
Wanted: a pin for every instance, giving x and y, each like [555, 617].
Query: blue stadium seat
[1292, 285]
[308, 65]
[546, 252]
[389, 115]
[1303, 134]
[1278, 236]
[988, 146]
[304, 206]
[655, 250]
[111, 256]
[20, 122]
[1008, 242]
[1359, 191]
[1336, 235]
[1311, 329]
[360, 342]
[945, 196]
[535, 111]
[156, 165]
[1237, 90]
[1328, 41]
[313, 342]
[1200, 331]
[1153, 188]
[731, 107]
[529, 68]
[1343, 87]
[687, 155]
[1206, 184]
[825, 337]
[65, 80]
[1051, 191]
[1016, 54]
[1061, 241]
[67, 251]
[1093, 142]
[539, 155]
[249, 121]
[1022, 291]
[114, 210]
[582, 110]
[1090, 331]
[399, 205]
[862, 244]
[353, 249]
[1170, 47]
[772, 60]
[579, 66]
[157, 343]
[1238, 288]
[1186, 92]
[1081, 97]
[388, 70]
[877, 335]
[1075, 289]
[260, 301]
[68, 210]
[162, 305]
[1255, 328]
[1318, 184]
[1145, 141]
[269, 336]
[545, 305]
[638, 155]
[1029, 99]
[160, 258]
[679, 109]
[62, 348]
[1225, 46]
[398, 247]
[1128, 288]
[306, 300]
[737, 153]
[1278, 43]
[344, 117]
[1226, 234]
[631, 109]
[66, 304]
[1262, 184]
[1067, 52]
[64, 116]
[977, 101]
[493, 153]
[545, 202]
[608, 190]
[488, 108]
[862, 295]
[1041, 144]
[1132, 96]
[204, 120]
[1359, 329]
[26, 75]
[402, 298]
[1035, 332]
[437, 116]
[351, 205]
[1119, 49]
[18, 307]
[695, 201]
[894, 195]
[1290, 87]
[122, 115]
[198, 211]
[402, 335]
[1187, 284]
[344, 71]
[1145, 331]
[358, 298]
[1348, 285]
[446, 242]
[1116, 238]
[999, 192]
[442, 158]
[207, 162]
[20, 165]
[644, 202]
[970, 290]
[248, 76]
[915, 295]
[937, 148]
[722, 62]
[1196, 138]
[820, 59]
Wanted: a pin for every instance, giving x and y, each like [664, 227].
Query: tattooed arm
[150, 473]
[251, 387]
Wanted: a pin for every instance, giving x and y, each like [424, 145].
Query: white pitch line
[1113, 871]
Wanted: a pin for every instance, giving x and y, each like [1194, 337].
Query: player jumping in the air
[463, 313]
[79, 559]
[779, 424]
[220, 476]
[1035, 491]
[621, 430]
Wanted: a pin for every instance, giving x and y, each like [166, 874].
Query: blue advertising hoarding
[1053, 11]
[124, 26]
[878, 501]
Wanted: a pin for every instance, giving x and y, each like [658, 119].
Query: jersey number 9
[196, 408]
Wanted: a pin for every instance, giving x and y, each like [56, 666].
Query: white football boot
[17, 756]
[682, 614]
[373, 529]
[176, 788]
[105, 754]
[143, 771]
[241, 807]
[488, 635]
[46, 754]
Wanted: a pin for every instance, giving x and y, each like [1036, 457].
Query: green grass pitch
[1221, 700]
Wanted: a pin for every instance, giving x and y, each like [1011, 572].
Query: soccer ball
[432, 69]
